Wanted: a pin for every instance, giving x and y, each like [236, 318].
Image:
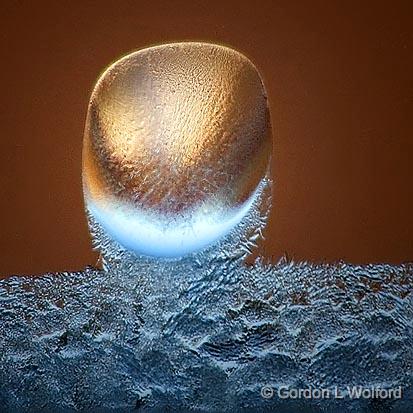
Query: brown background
[339, 77]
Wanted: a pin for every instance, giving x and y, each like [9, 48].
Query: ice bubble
[176, 144]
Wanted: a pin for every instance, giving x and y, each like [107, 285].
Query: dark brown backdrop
[339, 77]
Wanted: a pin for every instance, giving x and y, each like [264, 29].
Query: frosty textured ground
[187, 334]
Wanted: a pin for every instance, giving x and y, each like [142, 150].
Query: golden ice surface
[177, 139]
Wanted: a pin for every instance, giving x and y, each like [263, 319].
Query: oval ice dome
[177, 140]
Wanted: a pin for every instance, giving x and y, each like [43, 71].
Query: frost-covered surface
[206, 337]
[204, 333]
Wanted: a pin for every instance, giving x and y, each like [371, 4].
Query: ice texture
[177, 139]
[204, 333]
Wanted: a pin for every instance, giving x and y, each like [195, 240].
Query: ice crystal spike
[176, 145]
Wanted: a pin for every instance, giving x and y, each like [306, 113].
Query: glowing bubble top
[177, 140]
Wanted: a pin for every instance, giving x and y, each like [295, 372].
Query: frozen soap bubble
[177, 141]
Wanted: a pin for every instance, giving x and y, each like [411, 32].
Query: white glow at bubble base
[115, 232]
[145, 235]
